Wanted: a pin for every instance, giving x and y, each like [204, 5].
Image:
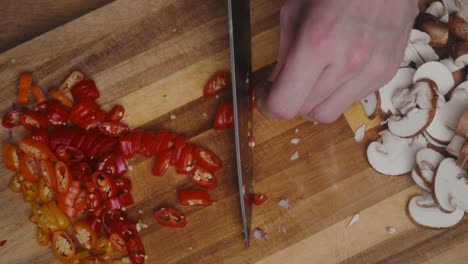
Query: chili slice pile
[72, 165]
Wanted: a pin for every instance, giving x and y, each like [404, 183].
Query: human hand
[333, 53]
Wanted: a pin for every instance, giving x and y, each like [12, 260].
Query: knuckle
[279, 111]
[358, 59]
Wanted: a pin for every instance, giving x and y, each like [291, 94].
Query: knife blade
[241, 67]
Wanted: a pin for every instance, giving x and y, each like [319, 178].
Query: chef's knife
[241, 67]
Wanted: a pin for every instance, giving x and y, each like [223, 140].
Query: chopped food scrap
[260, 234]
[360, 133]
[353, 220]
[284, 203]
[295, 156]
[294, 141]
[391, 229]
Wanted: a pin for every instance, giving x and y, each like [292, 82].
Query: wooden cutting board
[154, 57]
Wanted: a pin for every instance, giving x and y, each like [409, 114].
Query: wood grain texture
[154, 58]
[23, 20]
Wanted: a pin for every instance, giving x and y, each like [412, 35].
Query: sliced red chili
[170, 217]
[94, 200]
[192, 197]
[137, 137]
[90, 138]
[84, 234]
[2, 243]
[40, 134]
[106, 184]
[259, 198]
[116, 113]
[36, 149]
[113, 129]
[29, 166]
[80, 171]
[136, 250]
[122, 200]
[13, 117]
[207, 159]
[203, 178]
[161, 163]
[56, 112]
[10, 155]
[30, 191]
[63, 176]
[224, 117]
[63, 136]
[101, 146]
[126, 146]
[48, 174]
[123, 184]
[62, 246]
[69, 154]
[185, 163]
[217, 82]
[146, 139]
[30, 119]
[85, 90]
[92, 119]
[177, 150]
[72, 80]
[118, 242]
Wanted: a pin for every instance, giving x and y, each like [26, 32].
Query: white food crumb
[259, 234]
[205, 115]
[251, 144]
[190, 248]
[296, 130]
[295, 156]
[315, 123]
[391, 229]
[217, 96]
[138, 227]
[284, 203]
[173, 117]
[384, 122]
[353, 220]
[295, 141]
[12, 60]
[130, 168]
[140, 211]
[123, 209]
[146, 257]
[360, 133]
[174, 30]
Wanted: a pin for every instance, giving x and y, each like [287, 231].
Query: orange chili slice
[24, 87]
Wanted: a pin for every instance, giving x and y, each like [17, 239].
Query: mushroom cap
[402, 78]
[436, 28]
[433, 142]
[438, 73]
[442, 185]
[393, 155]
[458, 26]
[431, 217]
[438, 10]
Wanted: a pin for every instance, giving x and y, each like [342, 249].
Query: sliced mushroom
[442, 186]
[436, 28]
[460, 191]
[437, 9]
[419, 181]
[432, 141]
[462, 160]
[458, 71]
[402, 78]
[459, 51]
[458, 26]
[418, 49]
[371, 105]
[438, 73]
[452, 6]
[432, 217]
[393, 155]
[462, 126]
[440, 129]
[427, 161]
[455, 146]
[417, 114]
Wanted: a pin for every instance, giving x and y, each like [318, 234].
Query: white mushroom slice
[419, 36]
[416, 120]
[432, 217]
[444, 180]
[402, 78]
[394, 155]
[426, 52]
[425, 200]
[371, 104]
[450, 64]
[462, 127]
[455, 146]
[427, 161]
[440, 128]
[451, 5]
[438, 10]
[436, 72]
[412, 55]
[432, 141]
[458, 70]
[419, 181]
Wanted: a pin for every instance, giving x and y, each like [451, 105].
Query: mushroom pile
[425, 108]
